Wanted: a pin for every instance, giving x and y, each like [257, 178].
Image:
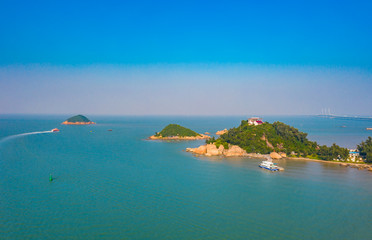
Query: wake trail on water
[21, 135]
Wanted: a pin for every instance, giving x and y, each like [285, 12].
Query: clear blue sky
[163, 42]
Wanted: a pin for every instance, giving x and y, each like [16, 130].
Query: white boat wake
[21, 135]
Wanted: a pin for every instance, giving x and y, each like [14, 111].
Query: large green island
[177, 132]
[277, 140]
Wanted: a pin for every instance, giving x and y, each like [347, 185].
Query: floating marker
[50, 178]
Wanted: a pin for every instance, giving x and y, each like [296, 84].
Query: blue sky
[137, 46]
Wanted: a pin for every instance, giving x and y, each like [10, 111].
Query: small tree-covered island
[255, 138]
[78, 120]
[177, 132]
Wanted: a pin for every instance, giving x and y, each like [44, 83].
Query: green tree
[279, 137]
[176, 130]
[365, 150]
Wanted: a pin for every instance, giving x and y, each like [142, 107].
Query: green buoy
[50, 178]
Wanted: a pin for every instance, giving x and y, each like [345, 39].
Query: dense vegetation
[365, 150]
[173, 130]
[278, 137]
[78, 118]
[218, 142]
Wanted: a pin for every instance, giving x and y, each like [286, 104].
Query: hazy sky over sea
[186, 58]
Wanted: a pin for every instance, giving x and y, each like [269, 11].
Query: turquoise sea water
[117, 185]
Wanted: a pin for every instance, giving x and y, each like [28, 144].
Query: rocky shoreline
[188, 138]
[222, 132]
[77, 123]
[210, 150]
[232, 151]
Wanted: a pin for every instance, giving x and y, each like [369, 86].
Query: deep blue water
[117, 185]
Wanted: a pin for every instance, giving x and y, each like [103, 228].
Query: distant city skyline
[186, 58]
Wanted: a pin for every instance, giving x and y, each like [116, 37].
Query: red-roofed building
[255, 121]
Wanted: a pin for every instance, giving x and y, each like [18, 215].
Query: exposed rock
[280, 146]
[235, 151]
[153, 137]
[212, 150]
[275, 155]
[221, 132]
[267, 142]
[282, 154]
[370, 169]
[221, 149]
[207, 133]
[200, 150]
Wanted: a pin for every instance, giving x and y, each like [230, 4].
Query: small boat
[110, 130]
[369, 128]
[269, 165]
[55, 130]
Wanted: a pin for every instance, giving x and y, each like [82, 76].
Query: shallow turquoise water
[117, 185]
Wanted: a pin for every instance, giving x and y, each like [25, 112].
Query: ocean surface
[118, 185]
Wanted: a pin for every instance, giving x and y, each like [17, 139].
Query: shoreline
[344, 164]
[176, 138]
[77, 123]
[210, 150]
[263, 156]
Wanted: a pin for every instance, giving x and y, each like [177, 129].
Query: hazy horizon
[184, 90]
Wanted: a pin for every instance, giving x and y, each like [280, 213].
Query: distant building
[354, 155]
[255, 121]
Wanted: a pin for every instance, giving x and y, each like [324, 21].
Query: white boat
[269, 165]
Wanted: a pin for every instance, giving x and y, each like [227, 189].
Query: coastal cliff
[78, 120]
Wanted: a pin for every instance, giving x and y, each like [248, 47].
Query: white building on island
[255, 121]
[354, 155]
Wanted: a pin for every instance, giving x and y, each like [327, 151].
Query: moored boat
[269, 165]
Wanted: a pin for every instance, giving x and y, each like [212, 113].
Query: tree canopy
[78, 118]
[365, 149]
[278, 137]
[173, 130]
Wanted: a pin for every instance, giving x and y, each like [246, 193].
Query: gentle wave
[21, 135]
